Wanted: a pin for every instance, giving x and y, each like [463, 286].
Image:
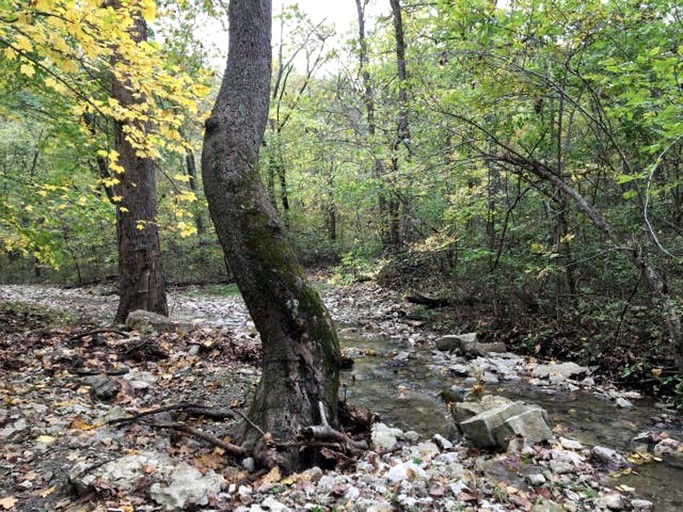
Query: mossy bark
[300, 347]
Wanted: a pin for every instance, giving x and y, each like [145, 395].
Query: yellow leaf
[273, 476]
[148, 10]
[45, 439]
[8, 502]
[79, 424]
[27, 69]
[46, 492]
[23, 43]
[9, 53]
[200, 90]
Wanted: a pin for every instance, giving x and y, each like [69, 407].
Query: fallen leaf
[273, 476]
[625, 488]
[46, 492]
[46, 439]
[79, 424]
[8, 502]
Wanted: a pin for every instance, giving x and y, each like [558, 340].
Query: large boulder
[557, 373]
[146, 321]
[187, 487]
[467, 345]
[499, 420]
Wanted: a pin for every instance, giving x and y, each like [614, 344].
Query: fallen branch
[231, 449]
[81, 335]
[191, 408]
[112, 373]
[251, 423]
[428, 302]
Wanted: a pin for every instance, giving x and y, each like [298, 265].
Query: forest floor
[66, 378]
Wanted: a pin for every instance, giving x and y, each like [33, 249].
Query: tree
[300, 367]
[141, 279]
[89, 72]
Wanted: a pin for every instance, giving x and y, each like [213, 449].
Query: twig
[111, 373]
[98, 331]
[197, 409]
[251, 423]
[232, 449]
[646, 206]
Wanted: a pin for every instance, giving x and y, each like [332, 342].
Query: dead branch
[112, 373]
[251, 423]
[190, 408]
[233, 450]
[81, 335]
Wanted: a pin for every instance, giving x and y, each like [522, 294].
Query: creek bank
[386, 340]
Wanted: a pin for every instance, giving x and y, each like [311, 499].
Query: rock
[405, 471]
[455, 342]
[544, 505]
[611, 501]
[465, 410]
[483, 349]
[144, 321]
[273, 505]
[467, 345]
[442, 442]
[411, 436]
[492, 428]
[557, 373]
[535, 479]
[622, 403]
[384, 437]
[570, 444]
[122, 474]
[609, 457]
[424, 451]
[402, 357]
[490, 378]
[103, 388]
[642, 505]
[453, 395]
[459, 370]
[249, 464]
[188, 487]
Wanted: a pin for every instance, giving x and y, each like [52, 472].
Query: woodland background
[520, 166]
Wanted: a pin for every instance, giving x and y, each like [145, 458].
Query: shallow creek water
[407, 397]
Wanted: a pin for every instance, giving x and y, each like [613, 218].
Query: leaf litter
[69, 382]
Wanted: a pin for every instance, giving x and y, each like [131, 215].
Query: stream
[406, 395]
[402, 382]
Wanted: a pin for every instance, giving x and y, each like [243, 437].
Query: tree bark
[141, 279]
[402, 135]
[300, 348]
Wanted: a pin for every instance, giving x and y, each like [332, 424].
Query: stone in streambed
[494, 426]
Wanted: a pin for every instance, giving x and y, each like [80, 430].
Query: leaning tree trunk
[141, 280]
[633, 252]
[300, 349]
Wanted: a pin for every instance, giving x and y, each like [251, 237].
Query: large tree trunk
[300, 348]
[141, 280]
